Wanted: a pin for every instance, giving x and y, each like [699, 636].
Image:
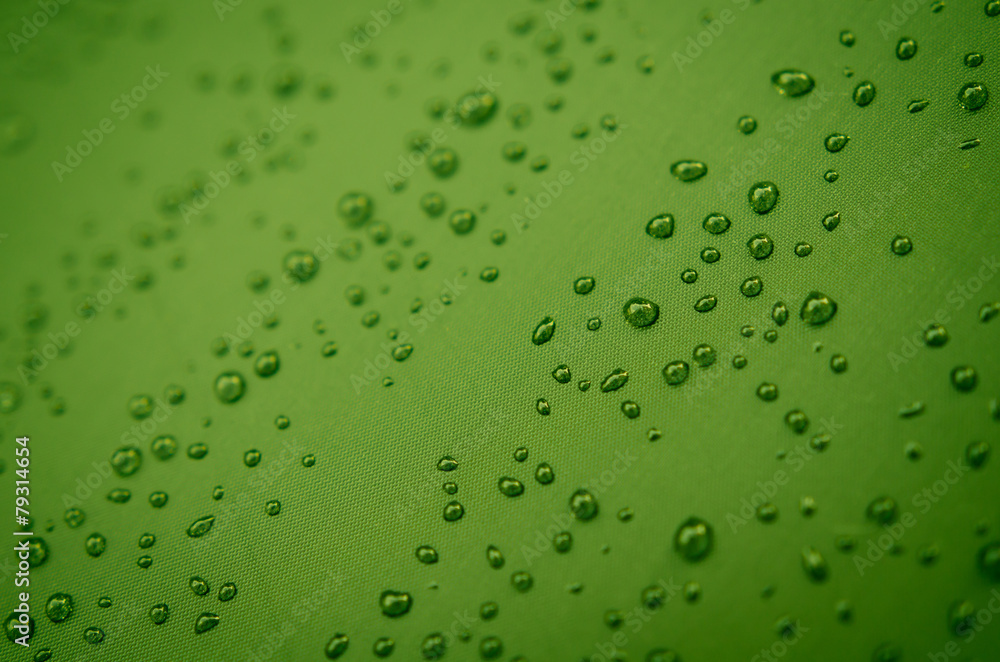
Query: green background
[350, 524]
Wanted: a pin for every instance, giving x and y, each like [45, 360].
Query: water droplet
[676, 372]
[792, 82]
[847, 38]
[763, 196]
[977, 453]
[906, 48]
[746, 125]
[562, 374]
[836, 142]
[716, 223]
[864, 93]
[838, 363]
[272, 507]
[614, 381]
[988, 560]
[710, 255]
[201, 526]
[797, 421]
[901, 245]
[126, 460]
[918, 105]
[433, 646]
[882, 510]
[630, 409]
[689, 276]
[300, 265]
[583, 505]
[462, 221]
[267, 364]
[95, 544]
[476, 108]
[205, 622]
[704, 355]
[660, 226]
[767, 392]
[818, 309]
[93, 635]
[227, 592]
[159, 614]
[453, 511]
[229, 387]
[706, 304]
[584, 285]
[521, 581]
[964, 378]
[510, 487]
[694, 539]
[688, 171]
[427, 555]
[973, 96]
[544, 331]
[640, 312]
[395, 603]
[544, 474]
[199, 586]
[59, 607]
[973, 60]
